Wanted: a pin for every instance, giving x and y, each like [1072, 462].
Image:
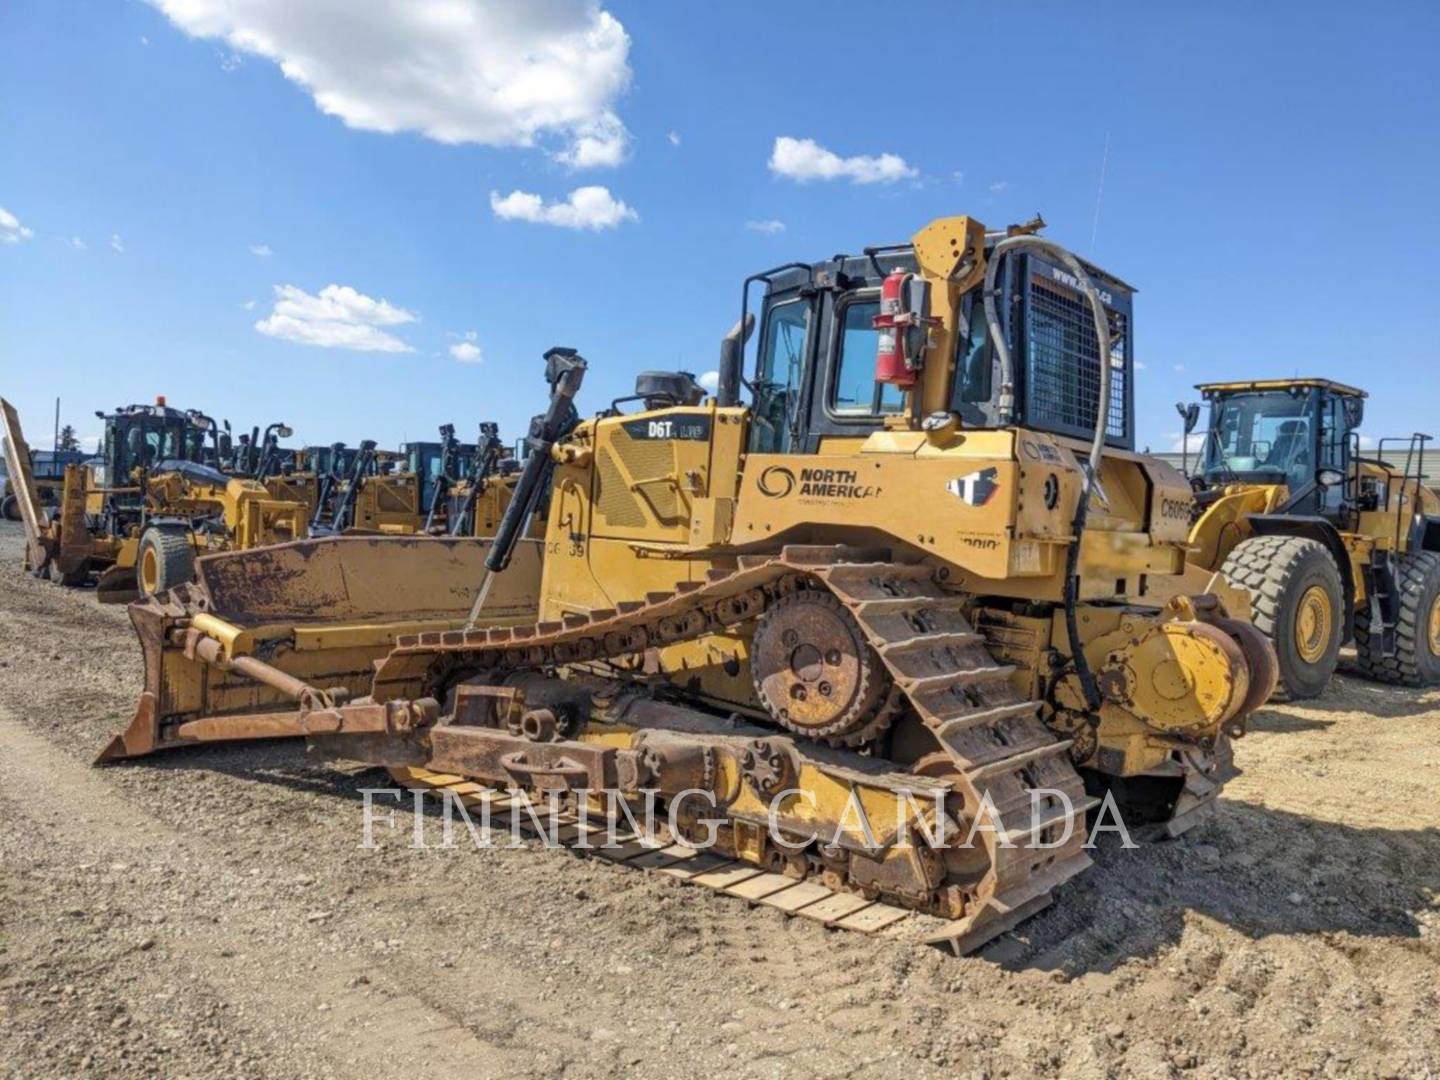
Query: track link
[1006, 766]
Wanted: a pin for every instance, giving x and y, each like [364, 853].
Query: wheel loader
[896, 578]
[1333, 543]
[137, 515]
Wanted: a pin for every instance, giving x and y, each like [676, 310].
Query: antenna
[1099, 193]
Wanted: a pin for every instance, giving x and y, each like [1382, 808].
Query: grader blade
[22, 486]
[263, 633]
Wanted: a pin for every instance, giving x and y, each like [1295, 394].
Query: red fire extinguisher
[902, 323]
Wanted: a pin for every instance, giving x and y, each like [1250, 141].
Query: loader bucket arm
[22, 482]
[265, 633]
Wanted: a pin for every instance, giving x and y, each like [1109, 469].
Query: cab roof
[1281, 384]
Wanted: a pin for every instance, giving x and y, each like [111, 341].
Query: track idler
[1192, 676]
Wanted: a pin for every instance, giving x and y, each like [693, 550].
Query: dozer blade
[232, 655]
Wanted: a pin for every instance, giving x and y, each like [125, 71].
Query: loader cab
[1301, 433]
[812, 366]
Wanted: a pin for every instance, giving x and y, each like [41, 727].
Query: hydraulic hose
[1097, 446]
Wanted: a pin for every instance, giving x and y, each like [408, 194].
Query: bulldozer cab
[814, 364]
[1301, 433]
[426, 461]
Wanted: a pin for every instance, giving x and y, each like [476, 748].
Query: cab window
[855, 391]
[777, 380]
[973, 361]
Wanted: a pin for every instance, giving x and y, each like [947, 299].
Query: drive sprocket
[816, 674]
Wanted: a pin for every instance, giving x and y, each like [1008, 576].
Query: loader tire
[165, 559]
[1416, 661]
[1298, 601]
[10, 508]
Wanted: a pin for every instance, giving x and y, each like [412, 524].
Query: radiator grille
[1063, 363]
[649, 463]
[614, 501]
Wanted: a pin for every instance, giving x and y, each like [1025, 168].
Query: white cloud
[90, 444]
[465, 348]
[1139, 365]
[598, 145]
[1367, 442]
[805, 159]
[11, 231]
[1194, 442]
[584, 208]
[261, 250]
[248, 305]
[674, 138]
[144, 40]
[998, 186]
[117, 244]
[465, 71]
[78, 244]
[769, 225]
[710, 381]
[1179, 367]
[958, 176]
[338, 318]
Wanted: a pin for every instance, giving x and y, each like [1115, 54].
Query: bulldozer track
[1005, 764]
[510, 811]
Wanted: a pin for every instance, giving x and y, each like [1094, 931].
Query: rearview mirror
[284, 432]
[1189, 414]
[1327, 476]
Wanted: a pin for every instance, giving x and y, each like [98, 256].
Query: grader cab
[907, 551]
[1335, 542]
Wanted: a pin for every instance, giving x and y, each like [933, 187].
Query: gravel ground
[211, 912]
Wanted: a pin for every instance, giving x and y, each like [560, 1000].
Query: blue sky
[1270, 186]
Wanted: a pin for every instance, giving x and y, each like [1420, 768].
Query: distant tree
[68, 439]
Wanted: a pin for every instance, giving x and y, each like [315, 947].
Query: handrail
[1414, 455]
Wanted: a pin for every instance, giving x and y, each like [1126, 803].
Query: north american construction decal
[977, 488]
[778, 481]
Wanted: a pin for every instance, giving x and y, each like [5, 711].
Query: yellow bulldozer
[136, 517]
[895, 582]
[476, 500]
[1333, 541]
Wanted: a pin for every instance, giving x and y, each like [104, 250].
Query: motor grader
[137, 515]
[1334, 544]
[906, 552]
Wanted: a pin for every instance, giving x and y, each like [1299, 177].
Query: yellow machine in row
[1333, 543]
[887, 565]
[139, 514]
